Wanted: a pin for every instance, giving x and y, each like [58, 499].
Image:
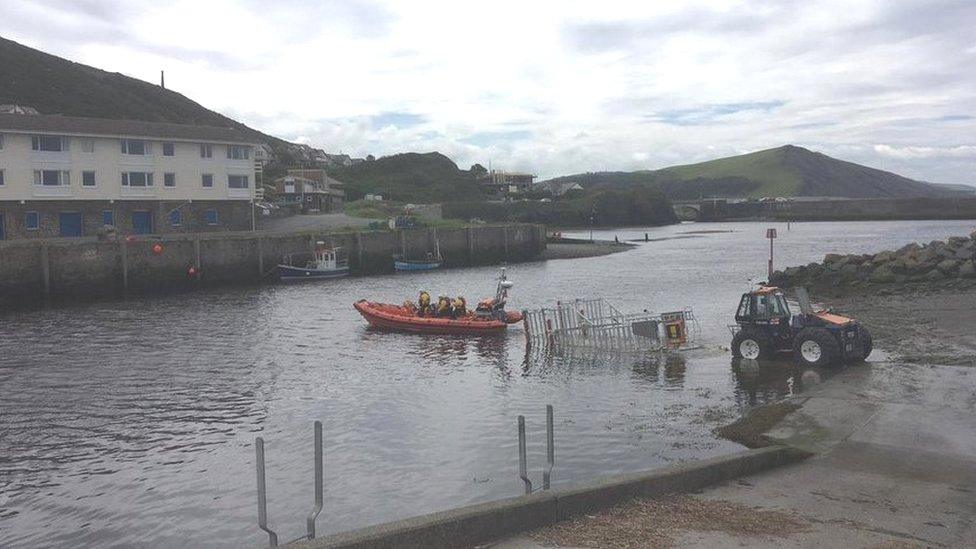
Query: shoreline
[578, 249]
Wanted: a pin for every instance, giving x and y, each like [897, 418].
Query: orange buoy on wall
[157, 248]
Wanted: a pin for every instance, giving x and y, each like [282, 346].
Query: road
[316, 222]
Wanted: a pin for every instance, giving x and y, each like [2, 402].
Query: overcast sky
[555, 87]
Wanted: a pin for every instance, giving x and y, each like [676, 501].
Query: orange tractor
[765, 327]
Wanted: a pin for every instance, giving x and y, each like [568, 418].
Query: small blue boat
[408, 265]
[325, 264]
[432, 262]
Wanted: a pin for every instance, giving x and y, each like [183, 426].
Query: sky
[557, 87]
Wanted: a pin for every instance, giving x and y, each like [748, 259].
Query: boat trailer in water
[596, 324]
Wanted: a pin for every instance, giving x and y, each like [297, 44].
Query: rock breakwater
[937, 261]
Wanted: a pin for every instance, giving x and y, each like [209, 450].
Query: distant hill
[409, 177]
[784, 171]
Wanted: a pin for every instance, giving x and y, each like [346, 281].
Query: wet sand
[917, 324]
[578, 249]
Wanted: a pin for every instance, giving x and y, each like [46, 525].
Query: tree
[370, 158]
[478, 170]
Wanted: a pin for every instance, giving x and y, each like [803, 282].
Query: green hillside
[54, 85]
[409, 177]
[771, 172]
[784, 171]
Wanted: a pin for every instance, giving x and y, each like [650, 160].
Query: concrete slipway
[894, 465]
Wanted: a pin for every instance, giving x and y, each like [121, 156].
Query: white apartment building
[69, 176]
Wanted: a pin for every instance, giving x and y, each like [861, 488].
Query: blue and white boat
[326, 263]
[431, 263]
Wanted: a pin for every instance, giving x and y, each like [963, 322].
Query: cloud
[554, 87]
[912, 152]
[398, 119]
[707, 114]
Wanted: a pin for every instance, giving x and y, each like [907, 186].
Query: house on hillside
[497, 183]
[70, 176]
[311, 191]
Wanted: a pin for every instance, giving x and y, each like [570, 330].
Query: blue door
[142, 222]
[70, 223]
[1, 227]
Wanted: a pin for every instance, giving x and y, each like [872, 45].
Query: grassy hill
[54, 85]
[784, 171]
[409, 177]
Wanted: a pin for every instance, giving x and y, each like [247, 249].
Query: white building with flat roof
[69, 176]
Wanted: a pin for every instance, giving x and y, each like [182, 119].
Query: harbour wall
[33, 271]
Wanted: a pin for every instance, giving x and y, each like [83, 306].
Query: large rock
[908, 249]
[934, 275]
[947, 266]
[957, 241]
[883, 257]
[832, 258]
[848, 271]
[967, 269]
[946, 252]
[882, 275]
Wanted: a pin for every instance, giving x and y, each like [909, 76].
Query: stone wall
[69, 268]
[933, 262]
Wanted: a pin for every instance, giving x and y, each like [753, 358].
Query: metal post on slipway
[263, 494]
[771, 235]
[317, 466]
[523, 467]
[550, 449]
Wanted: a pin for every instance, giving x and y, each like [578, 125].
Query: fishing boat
[489, 317]
[326, 263]
[431, 263]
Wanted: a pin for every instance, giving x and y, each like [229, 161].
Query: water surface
[131, 423]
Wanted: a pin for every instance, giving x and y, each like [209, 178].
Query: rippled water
[132, 423]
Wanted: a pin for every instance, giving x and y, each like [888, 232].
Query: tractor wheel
[751, 343]
[815, 347]
[867, 344]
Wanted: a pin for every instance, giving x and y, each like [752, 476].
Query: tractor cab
[765, 305]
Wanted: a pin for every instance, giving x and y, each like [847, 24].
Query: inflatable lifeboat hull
[396, 318]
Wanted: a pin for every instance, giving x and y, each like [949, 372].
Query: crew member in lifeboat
[443, 306]
[424, 303]
[460, 307]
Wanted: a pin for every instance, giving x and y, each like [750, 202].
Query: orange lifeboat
[398, 318]
[489, 317]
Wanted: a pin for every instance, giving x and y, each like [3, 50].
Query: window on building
[137, 147]
[1, 178]
[169, 149]
[108, 217]
[87, 145]
[1, 141]
[208, 180]
[238, 152]
[52, 178]
[32, 221]
[49, 143]
[169, 179]
[87, 179]
[137, 179]
[175, 218]
[237, 181]
[210, 216]
[206, 151]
